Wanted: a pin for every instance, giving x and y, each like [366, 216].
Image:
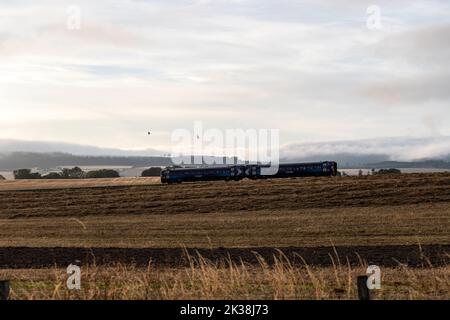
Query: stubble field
[396, 222]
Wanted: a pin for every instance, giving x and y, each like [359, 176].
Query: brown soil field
[388, 225]
[242, 196]
[386, 256]
[382, 212]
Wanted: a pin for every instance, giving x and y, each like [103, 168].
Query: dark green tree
[151, 172]
[74, 173]
[26, 174]
[389, 171]
[104, 173]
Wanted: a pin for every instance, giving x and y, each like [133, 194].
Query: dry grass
[204, 280]
[43, 184]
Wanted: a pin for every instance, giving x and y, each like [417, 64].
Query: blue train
[239, 172]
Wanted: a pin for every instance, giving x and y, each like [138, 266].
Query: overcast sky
[312, 69]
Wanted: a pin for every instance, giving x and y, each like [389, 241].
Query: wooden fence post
[363, 291]
[4, 289]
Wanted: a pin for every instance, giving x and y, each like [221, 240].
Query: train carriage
[239, 172]
[178, 175]
[287, 170]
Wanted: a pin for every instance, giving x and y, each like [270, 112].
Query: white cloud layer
[309, 68]
[397, 149]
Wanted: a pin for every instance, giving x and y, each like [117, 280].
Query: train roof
[199, 168]
[230, 166]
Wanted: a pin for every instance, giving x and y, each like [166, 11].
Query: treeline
[78, 173]
[382, 171]
[372, 172]
[74, 173]
[388, 171]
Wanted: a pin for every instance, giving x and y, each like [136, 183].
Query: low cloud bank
[396, 149]
[346, 152]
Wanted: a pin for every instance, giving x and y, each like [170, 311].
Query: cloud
[410, 90]
[309, 68]
[423, 47]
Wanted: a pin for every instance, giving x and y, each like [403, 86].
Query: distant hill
[18, 160]
[29, 160]
[432, 164]
[433, 152]
[12, 145]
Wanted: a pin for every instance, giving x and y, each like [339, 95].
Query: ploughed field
[376, 219]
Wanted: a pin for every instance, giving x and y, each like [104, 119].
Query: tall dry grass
[229, 280]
